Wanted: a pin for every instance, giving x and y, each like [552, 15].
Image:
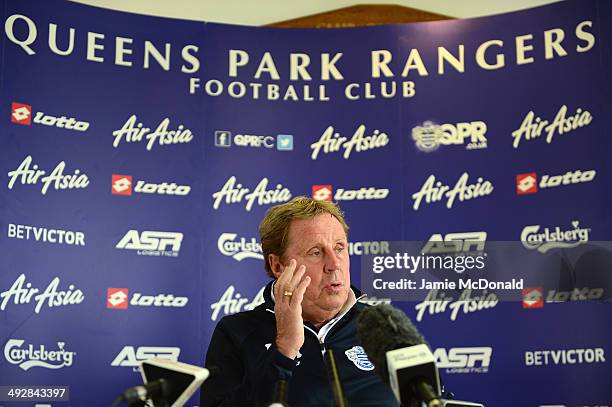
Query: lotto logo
[284, 142]
[21, 113]
[223, 138]
[526, 183]
[533, 297]
[322, 192]
[117, 298]
[122, 184]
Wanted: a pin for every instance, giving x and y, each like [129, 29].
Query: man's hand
[289, 291]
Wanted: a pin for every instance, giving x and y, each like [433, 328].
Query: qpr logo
[152, 243]
[21, 113]
[325, 192]
[430, 136]
[542, 241]
[122, 185]
[358, 356]
[30, 356]
[241, 249]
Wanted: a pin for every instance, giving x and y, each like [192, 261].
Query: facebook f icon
[223, 138]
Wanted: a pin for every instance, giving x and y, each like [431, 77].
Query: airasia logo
[122, 185]
[117, 298]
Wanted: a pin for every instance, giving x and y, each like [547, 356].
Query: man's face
[320, 244]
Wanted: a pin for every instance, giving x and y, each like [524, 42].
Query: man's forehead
[323, 227]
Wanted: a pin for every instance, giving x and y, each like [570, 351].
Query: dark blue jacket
[243, 348]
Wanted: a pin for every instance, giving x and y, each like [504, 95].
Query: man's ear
[275, 265]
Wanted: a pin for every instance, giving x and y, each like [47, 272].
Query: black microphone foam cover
[383, 328]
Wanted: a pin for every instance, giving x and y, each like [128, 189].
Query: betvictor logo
[152, 243]
[542, 241]
[21, 113]
[29, 356]
[239, 249]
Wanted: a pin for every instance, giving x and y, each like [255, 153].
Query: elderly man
[310, 307]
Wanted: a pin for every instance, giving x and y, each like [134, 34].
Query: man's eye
[339, 249]
[315, 253]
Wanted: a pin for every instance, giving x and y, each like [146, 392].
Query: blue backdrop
[140, 154]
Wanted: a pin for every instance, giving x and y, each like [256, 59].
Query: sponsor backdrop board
[140, 153]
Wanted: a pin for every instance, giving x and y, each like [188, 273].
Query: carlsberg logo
[532, 238]
[239, 249]
[31, 356]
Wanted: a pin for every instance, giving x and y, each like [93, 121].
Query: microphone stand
[339, 399]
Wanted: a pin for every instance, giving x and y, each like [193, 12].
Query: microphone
[158, 389]
[334, 376]
[400, 354]
[281, 394]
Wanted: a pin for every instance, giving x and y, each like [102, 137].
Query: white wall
[259, 12]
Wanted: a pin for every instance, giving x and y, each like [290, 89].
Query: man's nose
[332, 263]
